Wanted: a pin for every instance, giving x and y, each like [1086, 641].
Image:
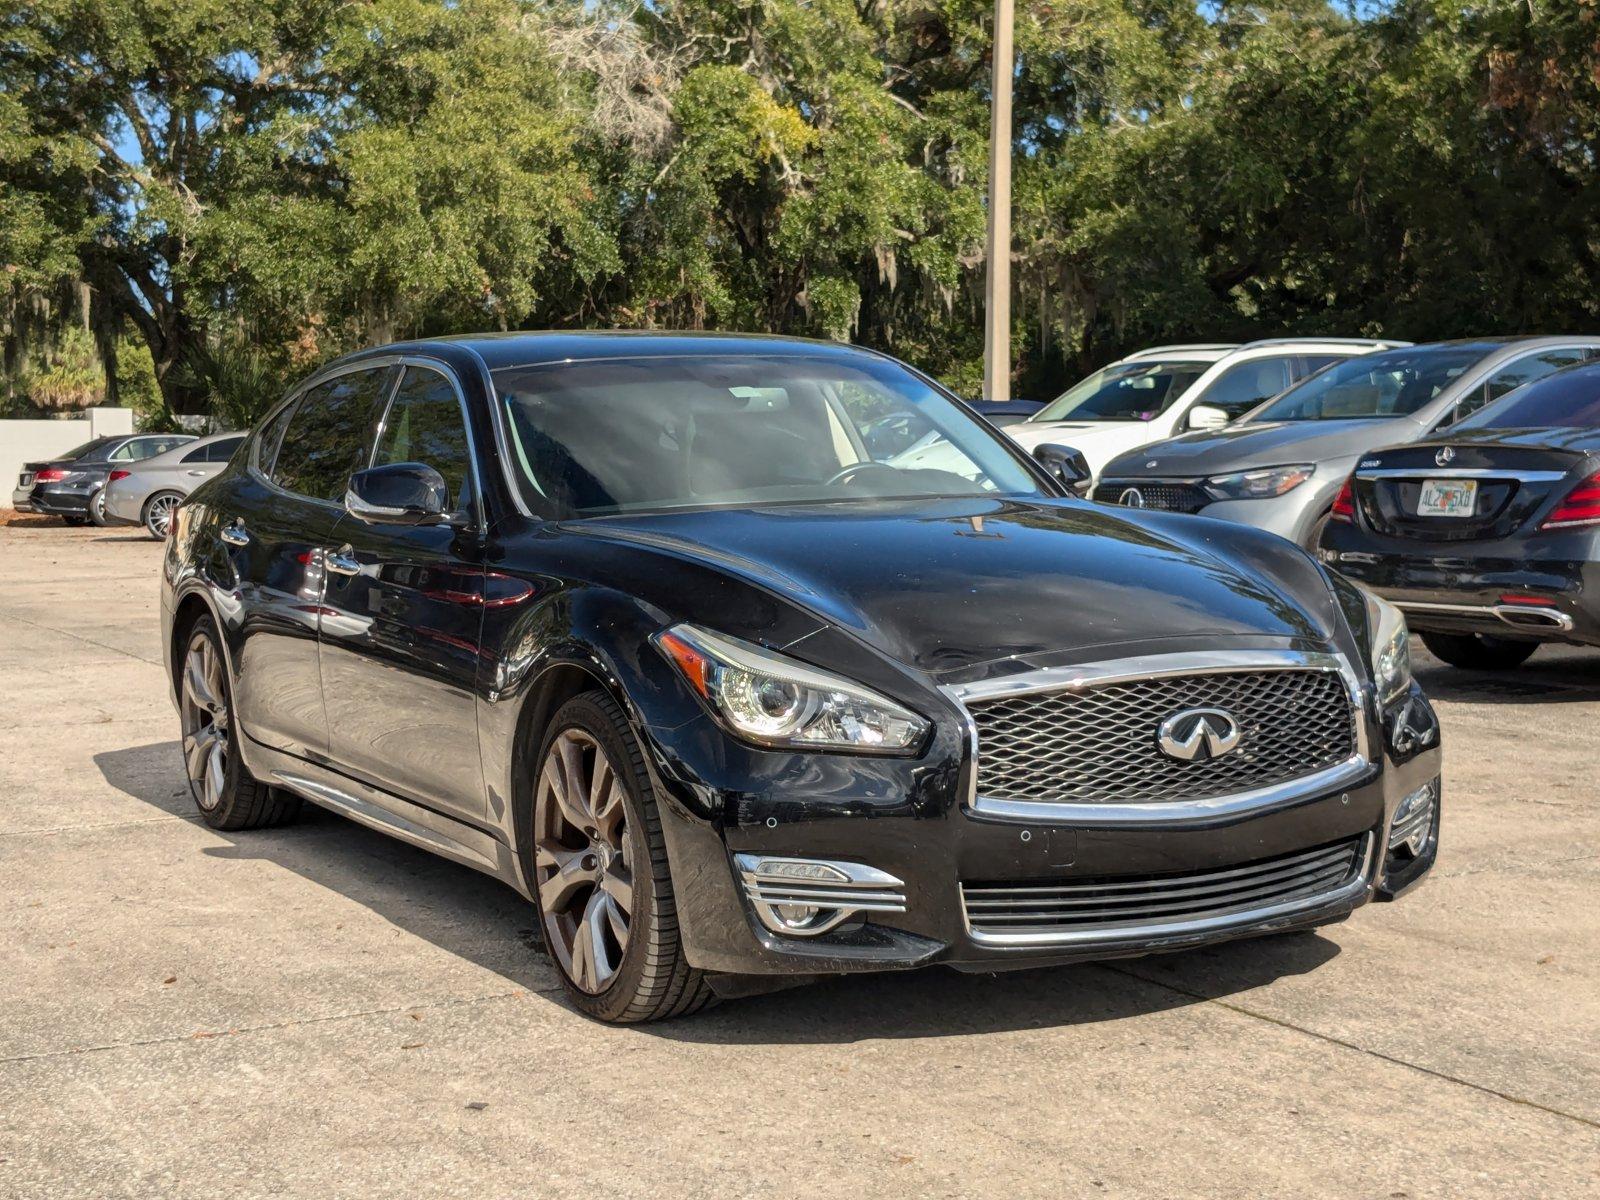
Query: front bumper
[1293, 515]
[913, 821]
[1552, 579]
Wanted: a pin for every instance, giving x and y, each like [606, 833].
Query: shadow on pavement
[1554, 675]
[481, 920]
[453, 907]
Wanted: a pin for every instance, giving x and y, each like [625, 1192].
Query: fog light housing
[1412, 827]
[804, 897]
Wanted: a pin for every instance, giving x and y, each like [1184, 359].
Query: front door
[287, 516]
[403, 617]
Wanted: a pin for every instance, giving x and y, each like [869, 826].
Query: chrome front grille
[1166, 497]
[1107, 907]
[1096, 744]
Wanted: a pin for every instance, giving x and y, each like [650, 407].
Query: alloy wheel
[158, 516]
[581, 860]
[205, 722]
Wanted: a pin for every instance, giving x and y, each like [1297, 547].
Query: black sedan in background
[72, 486]
[643, 626]
[1489, 539]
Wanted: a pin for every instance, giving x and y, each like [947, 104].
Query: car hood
[943, 585]
[1071, 433]
[1269, 444]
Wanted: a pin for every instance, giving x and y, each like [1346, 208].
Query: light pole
[997, 287]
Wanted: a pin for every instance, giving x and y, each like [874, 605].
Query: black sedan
[72, 486]
[639, 625]
[1488, 539]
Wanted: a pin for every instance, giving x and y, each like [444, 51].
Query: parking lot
[320, 1011]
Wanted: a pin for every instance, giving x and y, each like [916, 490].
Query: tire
[97, 509]
[599, 873]
[1314, 535]
[228, 796]
[157, 514]
[1477, 651]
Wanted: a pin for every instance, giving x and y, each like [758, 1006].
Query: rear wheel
[158, 512]
[1478, 651]
[97, 509]
[600, 874]
[229, 797]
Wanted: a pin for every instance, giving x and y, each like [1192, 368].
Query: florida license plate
[1447, 498]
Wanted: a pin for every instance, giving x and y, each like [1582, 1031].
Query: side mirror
[1205, 416]
[398, 494]
[1066, 466]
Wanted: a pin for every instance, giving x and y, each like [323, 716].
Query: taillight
[1344, 504]
[1581, 506]
[118, 474]
[50, 475]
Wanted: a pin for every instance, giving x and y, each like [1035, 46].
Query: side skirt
[388, 813]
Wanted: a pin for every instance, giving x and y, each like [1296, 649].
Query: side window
[203, 454]
[141, 448]
[1240, 388]
[123, 453]
[221, 452]
[328, 432]
[425, 425]
[1514, 375]
[271, 435]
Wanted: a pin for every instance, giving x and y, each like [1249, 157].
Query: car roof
[501, 350]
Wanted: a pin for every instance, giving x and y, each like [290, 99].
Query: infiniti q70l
[639, 625]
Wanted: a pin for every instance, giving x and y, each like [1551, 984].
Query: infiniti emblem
[1446, 454]
[1198, 734]
[1132, 497]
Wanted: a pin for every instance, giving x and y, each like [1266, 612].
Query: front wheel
[229, 797]
[600, 872]
[1478, 651]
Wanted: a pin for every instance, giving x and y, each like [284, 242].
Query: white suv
[1166, 390]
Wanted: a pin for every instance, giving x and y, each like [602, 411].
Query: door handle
[342, 561]
[236, 534]
[194, 472]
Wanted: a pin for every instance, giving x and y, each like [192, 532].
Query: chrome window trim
[1348, 892]
[1464, 473]
[407, 362]
[1162, 666]
[321, 377]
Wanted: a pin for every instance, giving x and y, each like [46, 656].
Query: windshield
[624, 435]
[1136, 391]
[1568, 400]
[1395, 383]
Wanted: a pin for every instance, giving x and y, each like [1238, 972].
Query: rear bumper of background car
[63, 499]
[938, 870]
[22, 499]
[123, 504]
[1541, 586]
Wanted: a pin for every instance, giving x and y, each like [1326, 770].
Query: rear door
[403, 618]
[291, 506]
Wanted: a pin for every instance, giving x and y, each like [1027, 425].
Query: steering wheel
[854, 469]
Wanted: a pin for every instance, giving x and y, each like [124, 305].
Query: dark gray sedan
[1280, 466]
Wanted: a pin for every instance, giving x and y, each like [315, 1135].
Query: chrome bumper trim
[1544, 618]
[1348, 893]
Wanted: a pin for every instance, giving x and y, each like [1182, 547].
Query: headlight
[766, 698]
[1390, 648]
[1258, 485]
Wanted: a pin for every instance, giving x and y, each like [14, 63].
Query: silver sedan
[146, 493]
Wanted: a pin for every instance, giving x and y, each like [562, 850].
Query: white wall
[29, 441]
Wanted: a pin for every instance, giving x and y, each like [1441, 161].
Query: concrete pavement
[319, 1011]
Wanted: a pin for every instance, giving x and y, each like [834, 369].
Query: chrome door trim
[408, 362]
[1161, 666]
